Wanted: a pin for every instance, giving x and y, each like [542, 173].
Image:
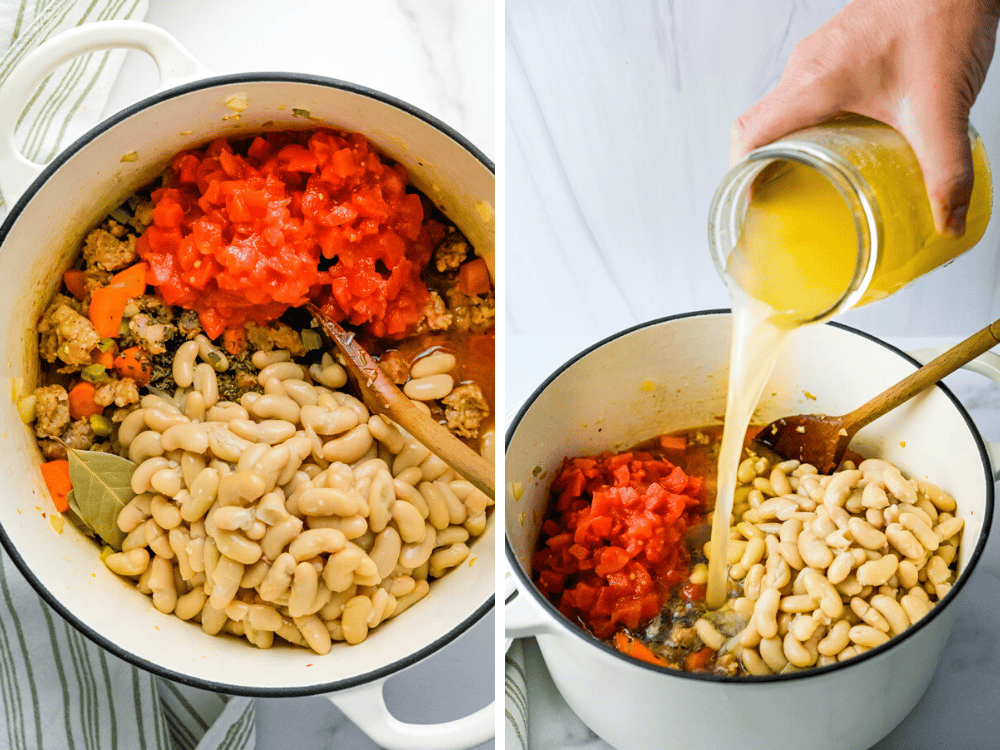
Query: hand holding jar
[916, 66]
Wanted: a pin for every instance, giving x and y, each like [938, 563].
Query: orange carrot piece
[131, 364]
[56, 476]
[631, 647]
[132, 280]
[107, 305]
[81, 401]
[673, 442]
[76, 283]
[107, 358]
[698, 659]
[474, 277]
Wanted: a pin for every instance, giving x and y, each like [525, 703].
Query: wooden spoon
[822, 441]
[383, 397]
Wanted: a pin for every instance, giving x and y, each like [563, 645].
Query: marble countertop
[438, 56]
[617, 134]
[959, 710]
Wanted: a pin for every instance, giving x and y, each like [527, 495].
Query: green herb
[101, 425]
[536, 471]
[102, 486]
[94, 373]
[311, 340]
[121, 216]
[301, 113]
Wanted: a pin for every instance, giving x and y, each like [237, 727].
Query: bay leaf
[75, 518]
[102, 486]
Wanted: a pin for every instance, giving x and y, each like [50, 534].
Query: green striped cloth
[515, 698]
[59, 690]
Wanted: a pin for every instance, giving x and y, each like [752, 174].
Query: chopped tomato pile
[239, 237]
[612, 551]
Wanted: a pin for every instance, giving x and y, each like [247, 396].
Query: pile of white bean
[431, 380]
[293, 513]
[831, 566]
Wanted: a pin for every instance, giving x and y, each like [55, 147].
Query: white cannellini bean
[429, 388]
[435, 363]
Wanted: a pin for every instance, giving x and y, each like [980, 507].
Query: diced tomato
[613, 551]
[239, 238]
[693, 592]
[168, 214]
[612, 559]
[627, 612]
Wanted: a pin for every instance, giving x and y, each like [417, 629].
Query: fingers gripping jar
[833, 217]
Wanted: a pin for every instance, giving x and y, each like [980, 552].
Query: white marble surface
[439, 56]
[617, 134]
[959, 709]
[617, 119]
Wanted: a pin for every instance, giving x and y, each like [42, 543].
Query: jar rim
[729, 206]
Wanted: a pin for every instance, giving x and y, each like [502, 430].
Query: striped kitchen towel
[515, 676]
[72, 99]
[515, 699]
[59, 690]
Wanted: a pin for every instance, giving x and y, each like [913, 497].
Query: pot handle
[365, 706]
[988, 365]
[175, 64]
[522, 617]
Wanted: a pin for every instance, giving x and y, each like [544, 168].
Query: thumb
[939, 137]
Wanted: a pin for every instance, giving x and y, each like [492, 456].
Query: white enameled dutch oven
[597, 402]
[52, 208]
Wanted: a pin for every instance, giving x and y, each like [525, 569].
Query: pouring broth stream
[804, 252]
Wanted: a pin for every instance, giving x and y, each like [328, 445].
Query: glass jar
[833, 217]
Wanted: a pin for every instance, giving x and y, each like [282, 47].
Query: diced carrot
[103, 358]
[76, 283]
[474, 278]
[132, 280]
[107, 305]
[131, 364]
[673, 442]
[56, 476]
[81, 401]
[698, 659]
[631, 647]
[234, 340]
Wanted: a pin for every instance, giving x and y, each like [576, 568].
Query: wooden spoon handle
[927, 375]
[383, 397]
[438, 439]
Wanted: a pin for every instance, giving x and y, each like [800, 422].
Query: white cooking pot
[52, 208]
[597, 402]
